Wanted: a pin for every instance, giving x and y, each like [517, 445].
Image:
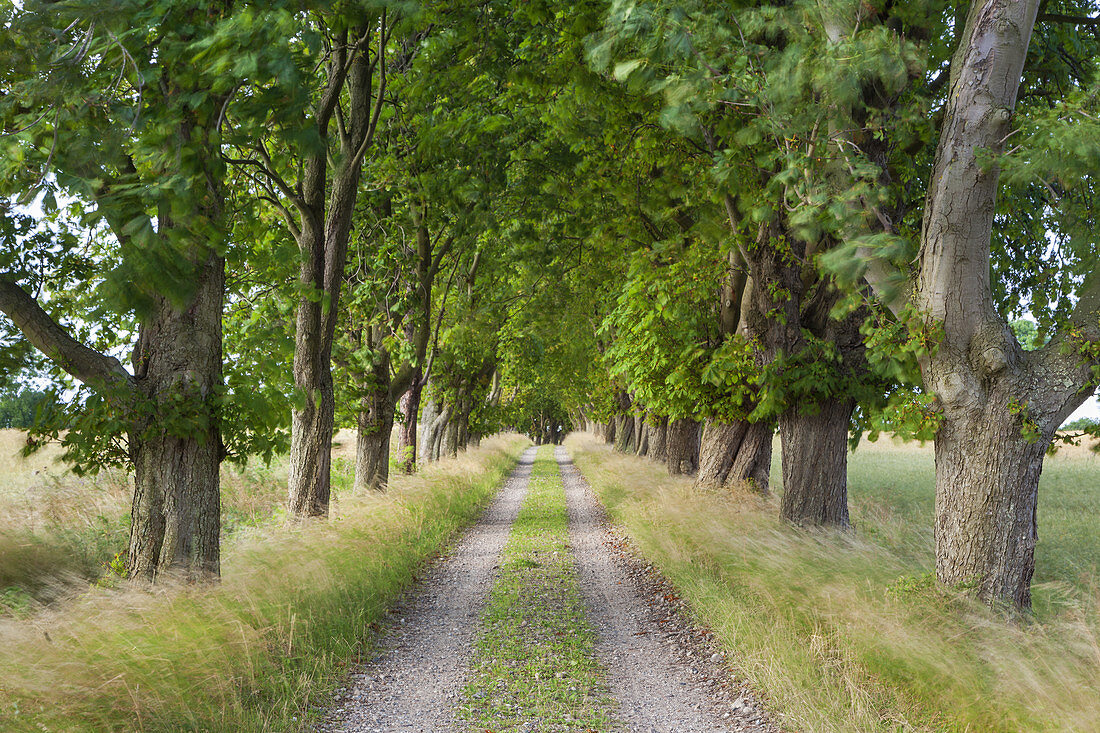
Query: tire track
[416, 679]
[660, 684]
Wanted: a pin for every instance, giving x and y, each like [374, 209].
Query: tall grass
[260, 650]
[846, 632]
[55, 526]
[59, 530]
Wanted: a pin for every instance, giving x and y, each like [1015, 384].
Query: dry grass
[59, 530]
[846, 632]
[55, 527]
[260, 650]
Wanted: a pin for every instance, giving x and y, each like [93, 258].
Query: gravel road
[414, 683]
[664, 673]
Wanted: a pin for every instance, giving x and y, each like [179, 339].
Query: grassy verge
[847, 633]
[535, 659]
[265, 647]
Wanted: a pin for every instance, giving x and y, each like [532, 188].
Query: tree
[19, 406]
[770, 91]
[122, 111]
[999, 405]
[306, 151]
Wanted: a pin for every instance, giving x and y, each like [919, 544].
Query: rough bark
[609, 431]
[427, 425]
[720, 443]
[624, 433]
[372, 443]
[986, 510]
[753, 463]
[815, 464]
[658, 440]
[735, 454]
[642, 435]
[682, 445]
[439, 429]
[450, 439]
[375, 426]
[176, 511]
[407, 443]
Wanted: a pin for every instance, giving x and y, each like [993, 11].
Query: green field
[892, 492]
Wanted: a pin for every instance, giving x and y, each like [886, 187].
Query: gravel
[415, 681]
[666, 673]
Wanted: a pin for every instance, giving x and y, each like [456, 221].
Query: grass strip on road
[535, 665]
[262, 650]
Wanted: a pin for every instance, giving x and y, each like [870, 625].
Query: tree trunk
[327, 205]
[372, 443]
[815, 464]
[438, 430]
[987, 388]
[682, 446]
[609, 430]
[658, 439]
[451, 437]
[642, 436]
[176, 511]
[311, 429]
[753, 464]
[410, 406]
[462, 438]
[986, 509]
[624, 433]
[735, 454]
[427, 422]
[721, 441]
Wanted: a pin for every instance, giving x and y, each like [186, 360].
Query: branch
[440, 253]
[1071, 19]
[735, 220]
[338, 70]
[376, 113]
[270, 196]
[87, 365]
[268, 169]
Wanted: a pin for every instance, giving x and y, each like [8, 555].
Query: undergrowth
[848, 631]
[263, 649]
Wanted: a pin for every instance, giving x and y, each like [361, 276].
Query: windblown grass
[55, 526]
[59, 530]
[260, 650]
[847, 632]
